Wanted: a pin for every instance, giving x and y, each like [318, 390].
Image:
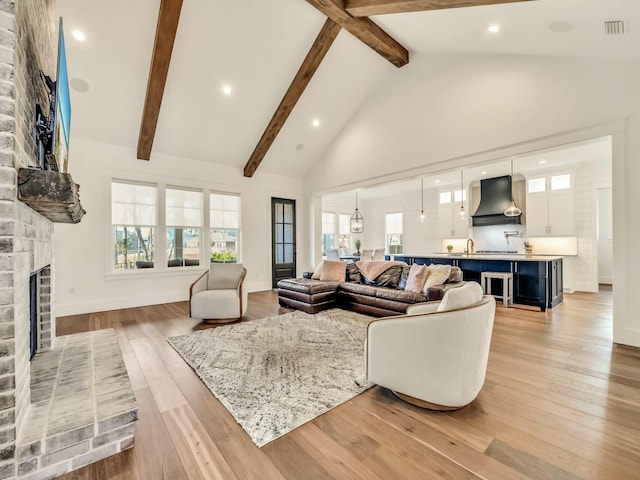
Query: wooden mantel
[53, 194]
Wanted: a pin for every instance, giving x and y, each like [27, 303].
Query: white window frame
[388, 234]
[160, 229]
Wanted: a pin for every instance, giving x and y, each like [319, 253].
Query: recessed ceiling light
[78, 35]
[315, 122]
[437, 181]
[226, 89]
[483, 173]
[542, 162]
[494, 28]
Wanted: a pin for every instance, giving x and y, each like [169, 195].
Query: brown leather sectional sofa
[313, 296]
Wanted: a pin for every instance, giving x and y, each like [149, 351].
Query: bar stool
[507, 285]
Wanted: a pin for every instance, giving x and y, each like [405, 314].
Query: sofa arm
[436, 292]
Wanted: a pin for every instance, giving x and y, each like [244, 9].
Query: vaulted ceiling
[257, 48]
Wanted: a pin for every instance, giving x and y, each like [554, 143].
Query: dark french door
[283, 239]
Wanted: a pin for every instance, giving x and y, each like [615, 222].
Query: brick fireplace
[72, 404]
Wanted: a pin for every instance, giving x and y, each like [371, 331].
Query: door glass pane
[279, 233]
[288, 253]
[288, 233]
[279, 212]
[560, 182]
[288, 213]
[279, 253]
[536, 185]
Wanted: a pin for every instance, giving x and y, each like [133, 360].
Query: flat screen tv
[53, 132]
[63, 106]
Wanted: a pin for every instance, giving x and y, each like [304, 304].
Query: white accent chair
[378, 254]
[332, 254]
[366, 254]
[435, 356]
[218, 296]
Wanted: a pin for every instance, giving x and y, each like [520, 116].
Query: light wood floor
[560, 402]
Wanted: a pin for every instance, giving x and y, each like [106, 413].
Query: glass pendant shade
[356, 224]
[513, 210]
[462, 196]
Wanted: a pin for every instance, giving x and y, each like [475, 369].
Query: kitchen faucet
[469, 249]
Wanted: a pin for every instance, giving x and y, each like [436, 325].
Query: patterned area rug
[278, 373]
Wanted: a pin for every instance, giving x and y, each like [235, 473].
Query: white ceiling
[257, 48]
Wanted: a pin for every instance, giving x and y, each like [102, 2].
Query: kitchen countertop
[513, 257]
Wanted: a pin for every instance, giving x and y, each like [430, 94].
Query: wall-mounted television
[52, 132]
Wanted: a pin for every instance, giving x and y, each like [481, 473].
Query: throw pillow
[437, 274]
[317, 272]
[333, 271]
[417, 277]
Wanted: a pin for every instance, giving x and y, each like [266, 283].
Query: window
[156, 226]
[393, 231]
[133, 221]
[328, 231]
[225, 227]
[445, 197]
[344, 230]
[184, 226]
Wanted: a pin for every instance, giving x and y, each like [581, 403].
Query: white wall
[83, 282]
[445, 111]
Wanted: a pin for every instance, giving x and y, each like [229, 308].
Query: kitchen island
[537, 279]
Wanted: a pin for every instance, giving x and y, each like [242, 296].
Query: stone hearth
[82, 406]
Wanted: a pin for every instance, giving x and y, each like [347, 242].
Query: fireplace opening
[34, 309]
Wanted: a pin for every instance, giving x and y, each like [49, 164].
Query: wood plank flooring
[560, 402]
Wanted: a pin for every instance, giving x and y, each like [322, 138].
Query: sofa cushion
[307, 285]
[462, 297]
[359, 288]
[317, 272]
[398, 295]
[455, 275]
[333, 271]
[417, 277]
[437, 274]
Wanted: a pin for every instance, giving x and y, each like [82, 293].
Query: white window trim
[160, 267]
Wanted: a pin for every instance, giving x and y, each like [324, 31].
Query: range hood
[495, 198]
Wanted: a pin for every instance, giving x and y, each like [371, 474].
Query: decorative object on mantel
[513, 210]
[277, 373]
[53, 194]
[357, 220]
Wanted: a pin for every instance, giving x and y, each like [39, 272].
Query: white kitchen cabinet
[550, 206]
[450, 223]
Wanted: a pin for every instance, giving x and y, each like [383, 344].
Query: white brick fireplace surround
[73, 404]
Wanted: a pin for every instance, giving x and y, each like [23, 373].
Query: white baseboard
[105, 304]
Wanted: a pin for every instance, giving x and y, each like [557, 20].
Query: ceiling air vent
[614, 27]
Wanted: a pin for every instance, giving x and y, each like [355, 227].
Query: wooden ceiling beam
[366, 8]
[312, 61]
[365, 30]
[166, 29]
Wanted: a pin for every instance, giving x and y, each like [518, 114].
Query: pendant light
[422, 217]
[461, 193]
[356, 224]
[512, 211]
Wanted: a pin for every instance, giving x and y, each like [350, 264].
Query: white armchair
[435, 356]
[332, 254]
[218, 296]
